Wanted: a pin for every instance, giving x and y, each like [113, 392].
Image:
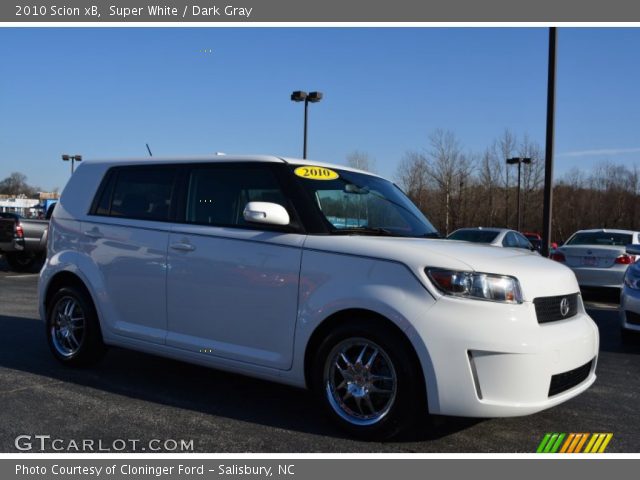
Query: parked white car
[312, 275]
[598, 257]
[630, 297]
[496, 237]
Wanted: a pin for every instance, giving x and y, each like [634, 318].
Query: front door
[232, 289]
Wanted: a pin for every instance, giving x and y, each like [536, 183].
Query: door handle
[93, 233]
[183, 247]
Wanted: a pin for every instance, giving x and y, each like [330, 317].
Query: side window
[510, 240]
[523, 242]
[217, 195]
[142, 193]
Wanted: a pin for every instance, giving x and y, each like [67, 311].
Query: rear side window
[141, 193]
[523, 242]
[217, 195]
[510, 240]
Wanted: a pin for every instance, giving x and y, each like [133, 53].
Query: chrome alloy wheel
[67, 326]
[360, 381]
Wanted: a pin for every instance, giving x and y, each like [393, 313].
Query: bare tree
[16, 184]
[361, 161]
[505, 147]
[411, 176]
[532, 183]
[448, 167]
[490, 177]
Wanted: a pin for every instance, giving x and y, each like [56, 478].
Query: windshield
[358, 203]
[600, 238]
[478, 236]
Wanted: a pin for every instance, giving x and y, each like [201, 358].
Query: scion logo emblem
[564, 306]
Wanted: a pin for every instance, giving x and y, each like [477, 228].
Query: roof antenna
[149, 150]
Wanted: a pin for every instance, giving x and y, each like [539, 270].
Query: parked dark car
[23, 241]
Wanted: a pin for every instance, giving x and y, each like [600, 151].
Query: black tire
[22, 261]
[73, 329]
[392, 413]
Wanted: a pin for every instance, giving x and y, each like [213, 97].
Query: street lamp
[73, 158]
[519, 161]
[312, 97]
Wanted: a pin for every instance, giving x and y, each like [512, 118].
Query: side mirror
[265, 213]
[633, 249]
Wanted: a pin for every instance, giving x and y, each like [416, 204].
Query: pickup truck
[23, 241]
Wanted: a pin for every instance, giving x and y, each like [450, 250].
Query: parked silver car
[497, 237]
[598, 257]
[630, 297]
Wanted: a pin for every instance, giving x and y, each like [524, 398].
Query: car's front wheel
[368, 381]
[73, 330]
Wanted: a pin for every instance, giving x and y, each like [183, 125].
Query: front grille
[632, 318]
[564, 381]
[549, 309]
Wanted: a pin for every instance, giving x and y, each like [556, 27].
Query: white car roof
[486, 229]
[610, 230]
[222, 158]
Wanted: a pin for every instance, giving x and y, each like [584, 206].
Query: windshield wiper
[432, 235]
[363, 231]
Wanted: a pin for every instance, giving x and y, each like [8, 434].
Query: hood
[538, 276]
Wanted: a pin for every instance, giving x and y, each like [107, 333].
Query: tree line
[455, 188]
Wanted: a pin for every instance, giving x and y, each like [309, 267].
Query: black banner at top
[218, 11]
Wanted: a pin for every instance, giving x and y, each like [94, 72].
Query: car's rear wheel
[368, 381]
[73, 330]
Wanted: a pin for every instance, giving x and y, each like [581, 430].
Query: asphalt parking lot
[133, 396]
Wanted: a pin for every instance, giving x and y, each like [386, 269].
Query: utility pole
[548, 157]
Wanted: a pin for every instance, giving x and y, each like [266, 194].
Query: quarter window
[142, 193]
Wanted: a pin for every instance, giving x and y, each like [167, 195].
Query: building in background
[28, 207]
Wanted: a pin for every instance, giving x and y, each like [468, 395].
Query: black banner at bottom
[538, 467]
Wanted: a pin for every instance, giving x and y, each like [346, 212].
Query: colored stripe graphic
[574, 442]
[599, 443]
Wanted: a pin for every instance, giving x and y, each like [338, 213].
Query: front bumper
[496, 360]
[630, 309]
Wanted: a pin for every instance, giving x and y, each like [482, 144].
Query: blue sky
[105, 92]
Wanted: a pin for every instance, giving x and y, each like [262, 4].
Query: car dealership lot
[132, 396]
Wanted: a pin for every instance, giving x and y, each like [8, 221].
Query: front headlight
[479, 286]
[632, 278]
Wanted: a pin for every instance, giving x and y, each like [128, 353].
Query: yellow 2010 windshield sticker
[316, 173]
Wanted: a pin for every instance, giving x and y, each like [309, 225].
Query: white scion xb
[313, 275]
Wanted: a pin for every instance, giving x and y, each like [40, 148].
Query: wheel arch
[347, 315]
[65, 278]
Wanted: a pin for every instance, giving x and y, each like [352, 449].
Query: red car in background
[536, 241]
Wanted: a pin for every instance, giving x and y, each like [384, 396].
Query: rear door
[232, 289]
[127, 239]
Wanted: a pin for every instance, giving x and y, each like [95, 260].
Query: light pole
[73, 158]
[548, 151]
[312, 97]
[519, 161]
